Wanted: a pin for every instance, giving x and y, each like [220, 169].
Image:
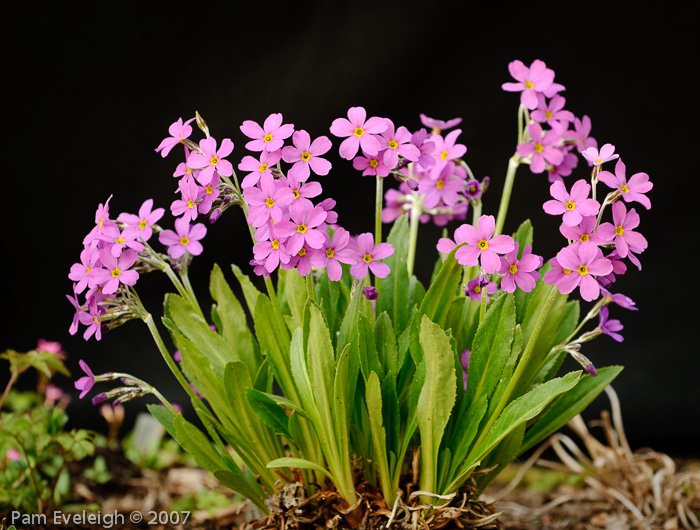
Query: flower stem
[513, 164]
[378, 201]
[416, 209]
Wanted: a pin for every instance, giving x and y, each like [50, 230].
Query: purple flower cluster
[290, 231]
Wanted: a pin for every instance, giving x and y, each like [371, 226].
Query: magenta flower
[332, 253]
[115, 270]
[608, 325]
[622, 231]
[258, 167]
[552, 113]
[119, 240]
[271, 253]
[86, 382]
[142, 224]
[439, 124]
[370, 293]
[397, 142]
[102, 221]
[208, 195]
[581, 134]
[575, 205]
[530, 81]
[582, 264]
[371, 165]
[481, 246]
[464, 359]
[632, 190]
[521, 272]
[185, 238]
[393, 205]
[584, 231]
[564, 169]
[300, 261]
[446, 187]
[266, 201]
[211, 159]
[186, 205]
[597, 157]
[269, 137]
[178, 132]
[446, 149]
[302, 229]
[306, 155]
[543, 148]
[13, 455]
[426, 146]
[359, 132]
[368, 255]
[303, 191]
[82, 272]
[480, 286]
[93, 320]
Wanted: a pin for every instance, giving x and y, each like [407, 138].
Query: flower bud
[202, 124]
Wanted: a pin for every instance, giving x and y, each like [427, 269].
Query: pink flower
[481, 246]
[632, 190]
[521, 272]
[368, 255]
[185, 238]
[269, 137]
[622, 231]
[559, 171]
[530, 81]
[395, 143]
[359, 132]
[446, 149]
[542, 148]
[479, 286]
[302, 229]
[86, 382]
[118, 240]
[211, 160]
[552, 113]
[13, 455]
[93, 320]
[446, 187]
[142, 224]
[579, 266]
[439, 124]
[597, 157]
[82, 272]
[271, 253]
[178, 132]
[581, 134]
[371, 165]
[306, 155]
[267, 200]
[115, 270]
[303, 191]
[186, 205]
[584, 231]
[332, 253]
[426, 147]
[608, 325]
[102, 221]
[258, 167]
[575, 205]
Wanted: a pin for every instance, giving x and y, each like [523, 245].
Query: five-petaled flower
[632, 189]
[359, 132]
[482, 247]
[574, 205]
[269, 137]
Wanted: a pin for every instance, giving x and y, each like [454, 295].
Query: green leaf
[373, 394]
[385, 342]
[569, 405]
[394, 297]
[491, 348]
[269, 411]
[437, 397]
[523, 236]
[521, 410]
[296, 295]
[250, 292]
[299, 463]
[366, 349]
[165, 417]
[198, 445]
[442, 291]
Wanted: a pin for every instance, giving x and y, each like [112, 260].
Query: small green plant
[35, 448]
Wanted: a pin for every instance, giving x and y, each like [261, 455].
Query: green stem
[416, 210]
[190, 291]
[378, 201]
[513, 164]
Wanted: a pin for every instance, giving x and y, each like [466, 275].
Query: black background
[90, 92]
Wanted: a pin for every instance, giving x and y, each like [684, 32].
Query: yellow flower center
[262, 168]
[619, 230]
[330, 252]
[269, 202]
[374, 162]
[209, 190]
[367, 258]
[439, 184]
[483, 244]
[393, 144]
[529, 84]
[116, 273]
[513, 269]
[584, 237]
[190, 204]
[301, 229]
[275, 244]
[477, 289]
[444, 155]
[570, 205]
[539, 147]
[566, 271]
[184, 241]
[599, 160]
[101, 221]
[214, 160]
[296, 193]
[306, 156]
[359, 131]
[87, 271]
[120, 240]
[143, 224]
[302, 252]
[548, 114]
[97, 319]
[582, 270]
[624, 188]
[267, 138]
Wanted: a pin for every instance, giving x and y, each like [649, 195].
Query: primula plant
[353, 370]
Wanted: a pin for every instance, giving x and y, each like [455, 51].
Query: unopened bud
[214, 215]
[202, 124]
[370, 293]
